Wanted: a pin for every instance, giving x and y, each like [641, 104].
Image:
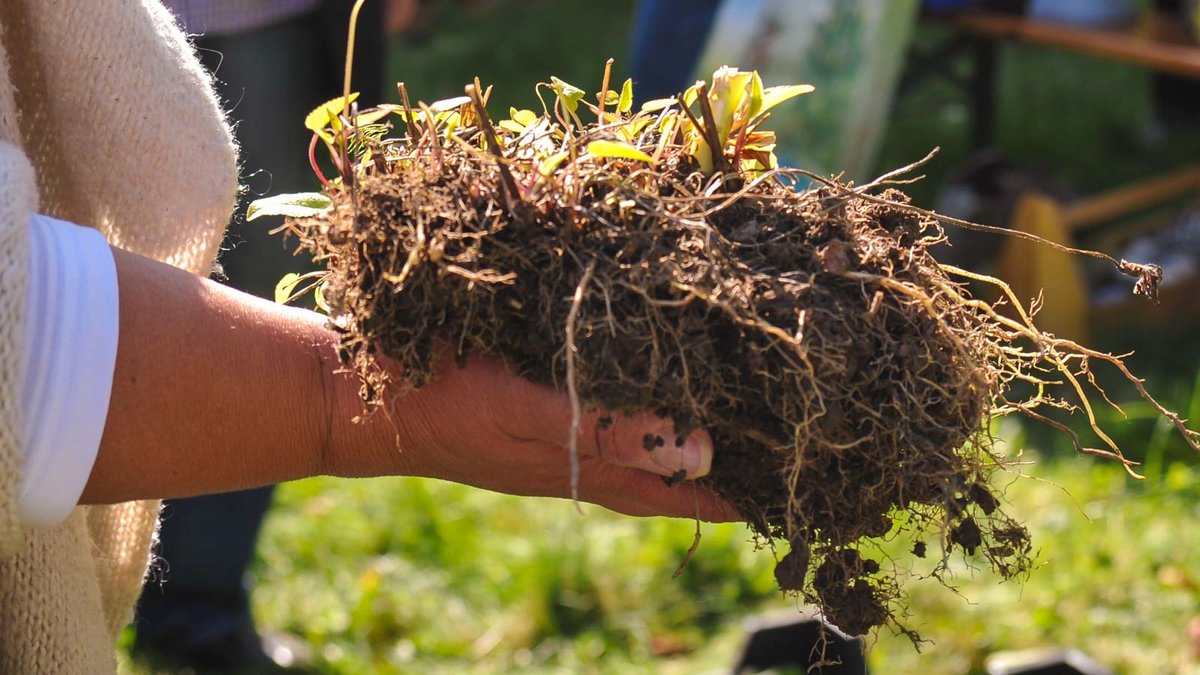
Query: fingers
[643, 441]
[638, 493]
[648, 442]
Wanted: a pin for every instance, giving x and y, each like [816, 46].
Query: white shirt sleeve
[70, 351]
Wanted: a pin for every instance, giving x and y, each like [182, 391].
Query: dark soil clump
[846, 379]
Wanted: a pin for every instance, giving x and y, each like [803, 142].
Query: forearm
[213, 390]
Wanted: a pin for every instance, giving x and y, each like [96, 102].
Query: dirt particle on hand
[675, 478]
[652, 442]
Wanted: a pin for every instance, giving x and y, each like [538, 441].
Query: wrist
[358, 440]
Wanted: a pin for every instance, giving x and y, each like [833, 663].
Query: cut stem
[710, 130]
[604, 91]
[511, 191]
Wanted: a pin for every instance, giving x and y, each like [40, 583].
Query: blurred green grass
[403, 575]
[407, 575]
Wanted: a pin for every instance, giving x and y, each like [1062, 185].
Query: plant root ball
[846, 380]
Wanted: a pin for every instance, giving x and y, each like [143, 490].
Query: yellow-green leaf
[324, 114]
[729, 95]
[298, 205]
[618, 150]
[551, 163]
[511, 126]
[285, 287]
[773, 96]
[634, 127]
[568, 93]
[657, 104]
[625, 102]
[756, 96]
[376, 114]
[452, 121]
[524, 117]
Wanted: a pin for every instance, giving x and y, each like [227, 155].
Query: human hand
[482, 425]
[215, 390]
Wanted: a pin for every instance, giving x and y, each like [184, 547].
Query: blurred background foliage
[405, 575]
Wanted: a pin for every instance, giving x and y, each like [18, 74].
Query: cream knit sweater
[106, 119]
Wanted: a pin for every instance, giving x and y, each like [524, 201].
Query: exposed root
[847, 378]
[572, 387]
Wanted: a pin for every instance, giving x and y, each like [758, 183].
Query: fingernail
[697, 455]
[694, 457]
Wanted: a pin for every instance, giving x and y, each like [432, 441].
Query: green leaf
[630, 130]
[657, 104]
[298, 205]
[285, 287]
[773, 96]
[568, 93]
[756, 96]
[618, 150]
[325, 114]
[524, 117]
[551, 163]
[625, 102]
[450, 122]
[373, 116]
[728, 96]
[510, 125]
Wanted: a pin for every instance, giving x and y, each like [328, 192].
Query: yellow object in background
[1034, 269]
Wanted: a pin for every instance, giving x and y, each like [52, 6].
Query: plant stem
[513, 194]
[710, 130]
[604, 90]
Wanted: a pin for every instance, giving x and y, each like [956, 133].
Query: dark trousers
[268, 80]
[668, 36]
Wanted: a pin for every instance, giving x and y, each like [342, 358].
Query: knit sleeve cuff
[70, 332]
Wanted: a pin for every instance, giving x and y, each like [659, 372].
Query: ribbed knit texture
[107, 120]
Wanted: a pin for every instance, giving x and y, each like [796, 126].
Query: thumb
[640, 441]
[648, 442]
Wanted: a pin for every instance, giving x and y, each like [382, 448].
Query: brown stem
[511, 191]
[604, 91]
[431, 127]
[410, 114]
[710, 130]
